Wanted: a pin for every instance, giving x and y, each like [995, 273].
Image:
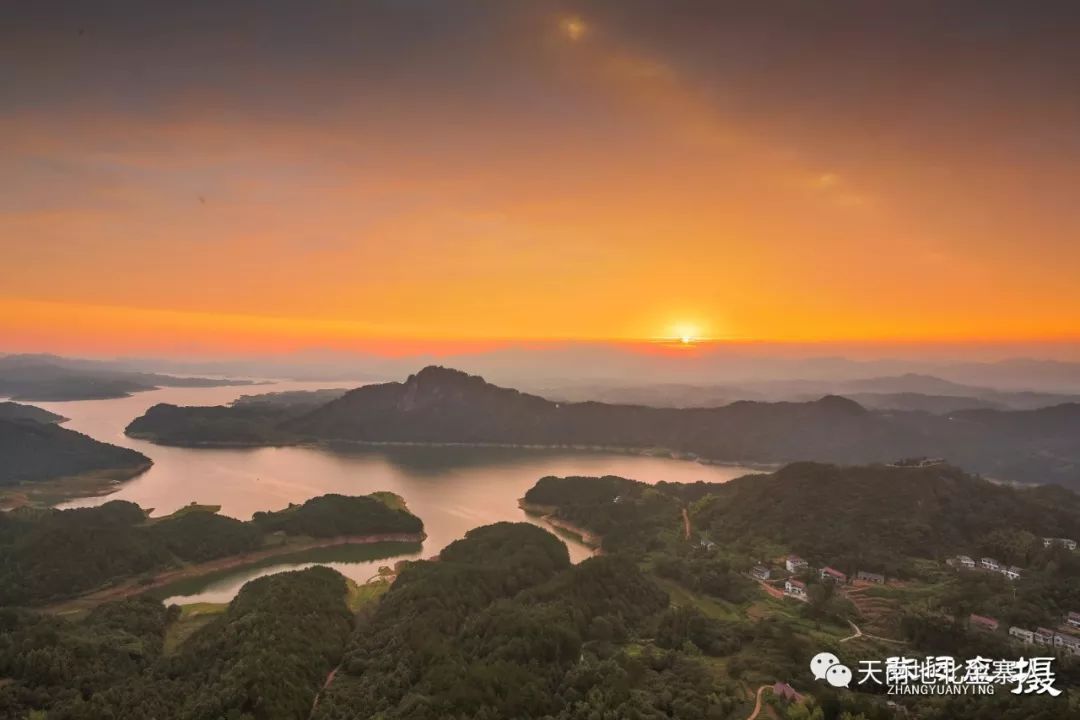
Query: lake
[453, 489]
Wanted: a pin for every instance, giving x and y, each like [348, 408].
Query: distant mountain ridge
[909, 391]
[444, 406]
[449, 406]
[53, 378]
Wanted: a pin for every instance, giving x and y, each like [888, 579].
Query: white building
[761, 572]
[795, 588]
[1068, 643]
[794, 564]
[987, 563]
[829, 574]
[1012, 572]
[1025, 636]
[965, 561]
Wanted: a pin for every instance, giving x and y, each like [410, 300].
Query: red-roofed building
[795, 588]
[833, 575]
[981, 622]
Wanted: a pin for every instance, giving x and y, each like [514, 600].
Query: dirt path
[134, 587]
[329, 679]
[757, 703]
[771, 589]
[858, 632]
[686, 523]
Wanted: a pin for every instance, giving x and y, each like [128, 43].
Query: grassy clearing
[192, 617]
[711, 607]
[190, 508]
[390, 500]
[361, 596]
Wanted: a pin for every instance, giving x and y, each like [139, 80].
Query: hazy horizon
[759, 371]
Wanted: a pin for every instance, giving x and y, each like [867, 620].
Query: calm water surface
[452, 489]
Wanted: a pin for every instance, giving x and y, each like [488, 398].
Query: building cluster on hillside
[987, 564]
[1061, 542]
[1012, 572]
[1063, 642]
[796, 565]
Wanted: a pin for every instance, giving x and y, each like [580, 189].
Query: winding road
[757, 703]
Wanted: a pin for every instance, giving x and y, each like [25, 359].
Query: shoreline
[547, 514]
[135, 586]
[51, 492]
[328, 443]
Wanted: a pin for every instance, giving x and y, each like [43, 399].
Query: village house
[1073, 618]
[795, 564]
[760, 572]
[706, 543]
[1063, 542]
[981, 622]
[1012, 572]
[829, 574]
[870, 577]
[1026, 636]
[989, 564]
[1068, 643]
[795, 588]
[965, 561]
[1044, 636]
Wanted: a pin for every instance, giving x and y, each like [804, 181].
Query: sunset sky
[229, 177]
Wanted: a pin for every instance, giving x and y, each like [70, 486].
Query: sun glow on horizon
[573, 28]
[687, 333]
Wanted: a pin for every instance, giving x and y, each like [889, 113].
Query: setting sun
[687, 334]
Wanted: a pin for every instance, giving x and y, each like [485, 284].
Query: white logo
[826, 666]
[839, 675]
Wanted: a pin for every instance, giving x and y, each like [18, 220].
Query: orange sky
[602, 183]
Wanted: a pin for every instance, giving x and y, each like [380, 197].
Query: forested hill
[875, 516]
[442, 405]
[17, 411]
[33, 451]
[503, 627]
[264, 658]
[50, 555]
[439, 405]
[855, 517]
